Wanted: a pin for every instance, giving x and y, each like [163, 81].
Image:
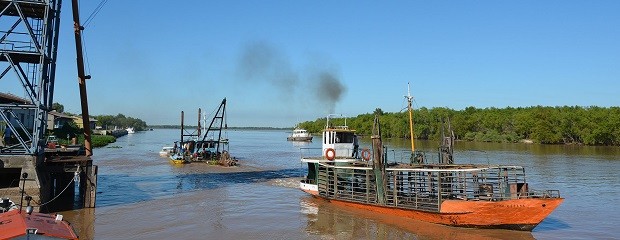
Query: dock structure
[29, 32]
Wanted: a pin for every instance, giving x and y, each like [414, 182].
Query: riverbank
[102, 140]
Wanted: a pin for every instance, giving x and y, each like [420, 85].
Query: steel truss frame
[28, 47]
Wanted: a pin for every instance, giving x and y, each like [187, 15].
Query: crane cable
[94, 13]
[88, 20]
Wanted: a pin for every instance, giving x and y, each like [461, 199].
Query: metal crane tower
[28, 45]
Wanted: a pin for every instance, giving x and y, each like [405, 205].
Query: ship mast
[409, 99]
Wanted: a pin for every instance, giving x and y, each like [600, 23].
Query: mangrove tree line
[548, 125]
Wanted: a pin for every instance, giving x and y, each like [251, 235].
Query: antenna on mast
[409, 99]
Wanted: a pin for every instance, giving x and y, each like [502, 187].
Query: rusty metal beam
[82, 78]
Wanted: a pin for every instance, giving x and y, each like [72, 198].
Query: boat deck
[425, 186]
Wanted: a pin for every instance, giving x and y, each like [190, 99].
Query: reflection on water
[301, 144]
[143, 196]
[82, 221]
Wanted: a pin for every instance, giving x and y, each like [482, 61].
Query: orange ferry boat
[462, 195]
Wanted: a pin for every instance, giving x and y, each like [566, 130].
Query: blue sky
[280, 62]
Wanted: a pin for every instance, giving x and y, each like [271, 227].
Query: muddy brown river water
[143, 196]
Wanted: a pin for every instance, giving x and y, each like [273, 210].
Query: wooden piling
[88, 186]
[377, 162]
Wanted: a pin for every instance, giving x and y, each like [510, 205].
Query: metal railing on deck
[347, 183]
[425, 187]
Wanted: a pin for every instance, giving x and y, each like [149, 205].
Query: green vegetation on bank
[120, 121]
[109, 121]
[100, 140]
[230, 128]
[70, 129]
[548, 125]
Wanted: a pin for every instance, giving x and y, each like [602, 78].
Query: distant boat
[299, 135]
[130, 130]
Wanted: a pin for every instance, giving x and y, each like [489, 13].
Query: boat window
[345, 137]
[324, 137]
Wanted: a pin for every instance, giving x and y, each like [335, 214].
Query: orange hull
[517, 214]
[14, 224]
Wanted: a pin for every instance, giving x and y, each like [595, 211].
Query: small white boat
[300, 135]
[166, 151]
[130, 130]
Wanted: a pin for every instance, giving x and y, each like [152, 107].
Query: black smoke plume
[329, 89]
[261, 63]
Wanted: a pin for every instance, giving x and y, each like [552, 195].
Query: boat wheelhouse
[339, 145]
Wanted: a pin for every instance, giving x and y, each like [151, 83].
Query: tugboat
[439, 191]
[299, 135]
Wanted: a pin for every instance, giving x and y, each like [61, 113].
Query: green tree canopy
[120, 121]
[548, 125]
[58, 107]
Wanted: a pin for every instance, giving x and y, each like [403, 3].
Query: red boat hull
[517, 214]
[14, 223]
